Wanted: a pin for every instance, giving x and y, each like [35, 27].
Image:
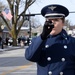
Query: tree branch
[32, 2]
[10, 6]
[6, 23]
[20, 26]
[17, 9]
[27, 4]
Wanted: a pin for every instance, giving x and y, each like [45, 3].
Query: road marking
[25, 72]
[18, 68]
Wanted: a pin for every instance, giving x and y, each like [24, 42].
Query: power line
[38, 14]
[72, 12]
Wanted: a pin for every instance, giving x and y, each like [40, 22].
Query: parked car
[10, 41]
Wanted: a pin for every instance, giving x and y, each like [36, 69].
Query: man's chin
[53, 32]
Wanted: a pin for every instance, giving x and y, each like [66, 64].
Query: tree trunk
[14, 42]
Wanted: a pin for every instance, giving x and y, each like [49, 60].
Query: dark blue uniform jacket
[54, 56]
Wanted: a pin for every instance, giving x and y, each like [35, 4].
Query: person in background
[7, 41]
[0, 40]
[53, 50]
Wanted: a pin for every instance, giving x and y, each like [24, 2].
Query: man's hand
[47, 28]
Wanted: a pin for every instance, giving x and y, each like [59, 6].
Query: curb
[10, 48]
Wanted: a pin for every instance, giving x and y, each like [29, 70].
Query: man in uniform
[53, 50]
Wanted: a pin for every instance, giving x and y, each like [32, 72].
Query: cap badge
[52, 7]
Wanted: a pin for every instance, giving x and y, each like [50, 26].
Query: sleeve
[73, 45]
[33, 52]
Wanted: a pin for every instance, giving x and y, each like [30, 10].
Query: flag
[7, 14]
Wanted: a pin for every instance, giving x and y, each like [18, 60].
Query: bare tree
[35, 22]
[1, 8]
[68, 24]
[17, 21]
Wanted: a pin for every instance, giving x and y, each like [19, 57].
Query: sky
[39, 4]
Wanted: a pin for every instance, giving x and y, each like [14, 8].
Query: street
[13, 62]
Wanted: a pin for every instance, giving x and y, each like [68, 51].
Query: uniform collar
[64, 34]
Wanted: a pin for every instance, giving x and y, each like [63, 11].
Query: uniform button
[50, 72]
[49, 58]
[61, 73]
[66, 38]
[63, 59]
[29, 43]
[25, 41]
[46, 46]
[65, 46]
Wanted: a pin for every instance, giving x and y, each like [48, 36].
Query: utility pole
[28, 18]
[29, 27]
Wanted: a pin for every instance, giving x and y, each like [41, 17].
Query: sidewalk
[10, 48]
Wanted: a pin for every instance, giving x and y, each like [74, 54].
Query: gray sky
[70, 4]
[39, 4]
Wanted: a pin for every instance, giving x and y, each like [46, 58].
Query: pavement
[7, 48]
